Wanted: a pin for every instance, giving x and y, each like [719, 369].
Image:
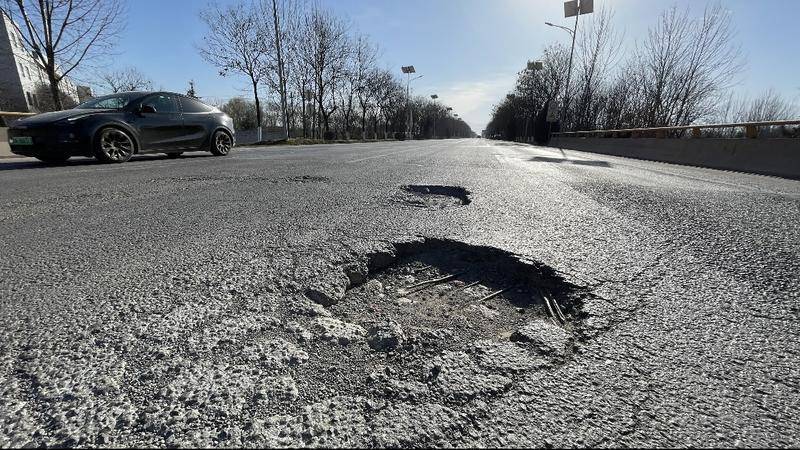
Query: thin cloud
[473, 100]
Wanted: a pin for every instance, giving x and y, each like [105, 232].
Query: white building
[21, 73]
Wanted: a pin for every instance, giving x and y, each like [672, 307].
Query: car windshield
[114, 101]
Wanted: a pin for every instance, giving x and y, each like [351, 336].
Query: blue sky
[468, 50]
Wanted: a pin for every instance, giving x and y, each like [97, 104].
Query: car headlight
[70, 120]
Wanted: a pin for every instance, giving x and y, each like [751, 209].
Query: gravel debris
[386, 336]
[544, 337]
[344, 333]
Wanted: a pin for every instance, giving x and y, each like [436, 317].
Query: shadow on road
[80, 161]
[577, 162]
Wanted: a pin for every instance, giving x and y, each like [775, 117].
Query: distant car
[114, 127]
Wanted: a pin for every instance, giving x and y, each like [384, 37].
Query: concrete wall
[244, 137]
[779, 157]
[5, 150]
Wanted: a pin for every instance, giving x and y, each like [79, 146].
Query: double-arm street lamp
[408, 70]
[572, 8]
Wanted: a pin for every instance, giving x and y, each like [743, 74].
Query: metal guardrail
[4, 115]
[751, 130]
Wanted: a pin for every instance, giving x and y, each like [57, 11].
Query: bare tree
[537, 88]
[598, 49]
[767, 106]
[63, 34]
[243, 113]
[234, 44]
[389, 95]
[325, 52]
[44, 103]
[278, 17]
[347, 93]
[319, 75]
[124, 80]
[687, 64]
[364, 56]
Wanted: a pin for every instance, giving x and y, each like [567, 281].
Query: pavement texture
[431, 293]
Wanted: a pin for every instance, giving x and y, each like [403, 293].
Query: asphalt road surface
[300, 296]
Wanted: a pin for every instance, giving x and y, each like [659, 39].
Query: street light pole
[449, 109]
[569, 71]
[408, 70]
[572, 8]
[434, 97]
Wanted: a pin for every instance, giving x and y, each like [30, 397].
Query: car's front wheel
[221, 143]
[113, 145]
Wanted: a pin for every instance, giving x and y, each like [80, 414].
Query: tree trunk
[258, 107]
[363, 124]
[54, 91]
[281, 79]
[305, 124]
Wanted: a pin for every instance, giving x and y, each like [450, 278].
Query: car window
[193, 106]
[162, 103]
[109, 102]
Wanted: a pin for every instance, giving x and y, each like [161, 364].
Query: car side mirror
[147, 109]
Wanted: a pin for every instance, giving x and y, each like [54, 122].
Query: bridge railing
[751, 130]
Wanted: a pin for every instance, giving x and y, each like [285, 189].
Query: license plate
[21, 140]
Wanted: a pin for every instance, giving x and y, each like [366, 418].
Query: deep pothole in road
[433, 196]
[477, 292]
[443, 320]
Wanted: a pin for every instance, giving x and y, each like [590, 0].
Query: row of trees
[683, 72]
[322, 77]
[301, 60]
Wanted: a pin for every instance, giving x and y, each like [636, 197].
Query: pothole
[440, 320]
[433, 196]
[474, 292]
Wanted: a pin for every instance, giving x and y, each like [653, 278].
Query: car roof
[146, 93]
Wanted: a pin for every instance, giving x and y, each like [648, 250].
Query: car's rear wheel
[174, 155]
[113, 145]
[55, 158]
[221, 143]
